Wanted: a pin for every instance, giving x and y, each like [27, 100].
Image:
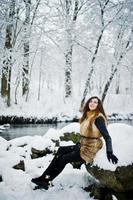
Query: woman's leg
[61, 162]
[44, 179]
[63, 156]
[54, 163]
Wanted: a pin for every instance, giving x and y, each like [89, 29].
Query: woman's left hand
[112, 157]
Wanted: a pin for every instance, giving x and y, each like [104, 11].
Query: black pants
[64, 155]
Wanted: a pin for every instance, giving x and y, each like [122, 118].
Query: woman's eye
[95, 102]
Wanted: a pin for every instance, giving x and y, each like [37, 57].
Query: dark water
[15, 131]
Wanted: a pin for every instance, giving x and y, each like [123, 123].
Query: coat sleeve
[100, 124]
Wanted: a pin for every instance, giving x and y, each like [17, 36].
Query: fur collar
[90, 114]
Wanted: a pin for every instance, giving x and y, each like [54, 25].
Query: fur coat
[90, 142]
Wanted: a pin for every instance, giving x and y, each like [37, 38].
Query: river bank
[13, 119]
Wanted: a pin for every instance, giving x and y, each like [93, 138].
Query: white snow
[69, 184]
[122, 141]
[3, 144]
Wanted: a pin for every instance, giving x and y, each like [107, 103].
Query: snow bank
[122, 141]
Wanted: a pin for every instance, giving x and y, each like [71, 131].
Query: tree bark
[70, 24]
[107, 85]
[25, 73]
[7, 61]
[40, 74]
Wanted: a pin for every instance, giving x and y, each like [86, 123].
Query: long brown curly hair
[98, 110]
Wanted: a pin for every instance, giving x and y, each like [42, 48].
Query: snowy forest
[60, 52]
[54, 55]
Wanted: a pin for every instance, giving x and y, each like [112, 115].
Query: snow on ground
[69, 184]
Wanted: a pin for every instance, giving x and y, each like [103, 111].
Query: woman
[92, 127]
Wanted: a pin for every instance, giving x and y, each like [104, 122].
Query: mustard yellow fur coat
[90, 142]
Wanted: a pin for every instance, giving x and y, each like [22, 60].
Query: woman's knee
[63, 150]
[60, 150]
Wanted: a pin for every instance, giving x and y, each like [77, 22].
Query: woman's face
[93, 104]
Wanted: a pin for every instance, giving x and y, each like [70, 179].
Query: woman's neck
[91, 113]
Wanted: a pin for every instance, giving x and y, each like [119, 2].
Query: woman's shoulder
[101, 118]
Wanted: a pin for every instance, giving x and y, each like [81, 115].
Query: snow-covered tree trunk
[131, 83]
[87, 84]
[92, 64]
[29, 25]
[117, 85]
[40, 74]
[108, 83]
[68, 53]
[25, 72]
[120, 53]
[70, 20]
[7, 60]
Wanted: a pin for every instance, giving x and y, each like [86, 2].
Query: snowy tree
[103, 8]
[26, 39]
[7, 60]
[69, 25]
[65, 49]
[28, 23]
[120, 52]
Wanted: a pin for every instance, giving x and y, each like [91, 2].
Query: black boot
[41, 183]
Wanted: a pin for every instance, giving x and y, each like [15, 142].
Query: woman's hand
[112, 157]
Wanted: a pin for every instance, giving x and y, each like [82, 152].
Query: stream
[14, 131]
